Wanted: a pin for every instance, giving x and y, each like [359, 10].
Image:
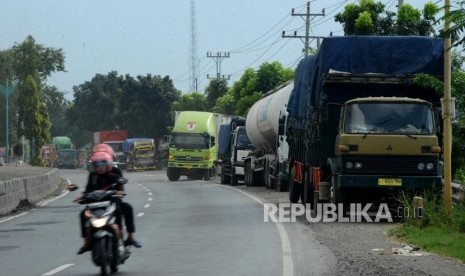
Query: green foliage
[371, 18]
[457, 18]
[251, 87]
[191, 102]
[439, 232]
[364, 24]
[141, 105]
[216, 89]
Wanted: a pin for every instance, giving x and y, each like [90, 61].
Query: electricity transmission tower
[218, 58]
[194, 62]
[307, 17]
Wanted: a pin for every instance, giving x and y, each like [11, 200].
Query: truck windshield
[67, 153]
[243, 140]
[190, 141]
[389, 118]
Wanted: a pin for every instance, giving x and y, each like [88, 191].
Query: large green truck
[193, 146]
[360, 129]
[65, 154]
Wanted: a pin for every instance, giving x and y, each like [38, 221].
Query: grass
[440, 233]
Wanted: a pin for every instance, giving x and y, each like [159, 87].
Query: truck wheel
[248, 174]
[207, 176]
[294, 188]
[173, 174]
[267, 177]
[225, 179]
[233, 179]
[307, 191]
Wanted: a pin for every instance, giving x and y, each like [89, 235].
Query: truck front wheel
[225, 179]
[173, 174]
[295, 189]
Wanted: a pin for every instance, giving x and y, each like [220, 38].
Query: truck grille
[390, 165]
[188, 158]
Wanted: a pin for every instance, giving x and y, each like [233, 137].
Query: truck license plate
[389, 182]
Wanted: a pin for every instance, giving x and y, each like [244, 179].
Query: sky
[138, 37]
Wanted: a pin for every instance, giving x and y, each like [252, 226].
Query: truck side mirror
[212, 141]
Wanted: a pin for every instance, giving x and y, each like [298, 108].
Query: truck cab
[387, 142]
[240, 149]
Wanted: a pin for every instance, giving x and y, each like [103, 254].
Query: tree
[251, 87]
[371, 18]
[95, 103]
[57, 105]
[145, 105]
[191, 102]
[216, 89]
[457, 18]
[34, 116]
[32, 64]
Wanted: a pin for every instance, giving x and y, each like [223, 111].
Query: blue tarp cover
[391, 55]
[128, 142]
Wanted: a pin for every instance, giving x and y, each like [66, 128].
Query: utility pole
[399, 3]
[194, 63]
[218, 58]
[307, 17]
[447, 113]
[7, 90]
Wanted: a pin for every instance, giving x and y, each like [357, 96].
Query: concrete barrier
[32, 188]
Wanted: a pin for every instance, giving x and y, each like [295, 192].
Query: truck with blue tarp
[359, 128]
[140, 154]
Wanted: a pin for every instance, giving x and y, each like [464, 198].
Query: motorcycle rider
[102, 178]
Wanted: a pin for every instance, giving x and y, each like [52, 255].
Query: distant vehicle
[268, 163]
[140, 154]
[115, 139]
[62, 153]
[193, 146]
[359, 129]
[233, 148]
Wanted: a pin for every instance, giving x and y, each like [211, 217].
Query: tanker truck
[267, 163]
[360, 130]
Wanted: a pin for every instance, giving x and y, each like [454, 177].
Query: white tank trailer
[265, 125]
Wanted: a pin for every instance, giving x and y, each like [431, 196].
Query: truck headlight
[349, 165]
[430, 166]
[421, 166]
[358, 165]
[171, 157]
[207, 157]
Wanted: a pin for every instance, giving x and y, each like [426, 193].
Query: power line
[308, 17]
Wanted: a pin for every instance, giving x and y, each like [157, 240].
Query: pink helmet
[101, 158]
[104, 148]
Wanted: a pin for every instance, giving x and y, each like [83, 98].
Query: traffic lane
[197, 228]
[33, 243]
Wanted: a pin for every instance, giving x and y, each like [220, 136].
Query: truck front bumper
[383, 181]
[190, 165]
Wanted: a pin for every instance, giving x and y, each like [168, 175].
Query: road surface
[186, 227]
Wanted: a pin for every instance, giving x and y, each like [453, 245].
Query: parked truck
[193, 145]
[359, 128]
[233, 148]
[61, 153]
[140, 154]
[115, 139]
[267, 164]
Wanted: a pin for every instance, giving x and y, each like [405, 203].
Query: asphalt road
[186, 227]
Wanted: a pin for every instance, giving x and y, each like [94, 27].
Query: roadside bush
[37, 162]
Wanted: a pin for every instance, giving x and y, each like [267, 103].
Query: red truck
[115, 139]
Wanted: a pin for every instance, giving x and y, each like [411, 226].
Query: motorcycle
[106, 243]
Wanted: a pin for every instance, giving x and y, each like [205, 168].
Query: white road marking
[288, 263]
[58, 269]
[140, 214]
[146, 205]
[149, 193]
[45, 202]
[150, 199]
[140, 185]
[13, 217]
